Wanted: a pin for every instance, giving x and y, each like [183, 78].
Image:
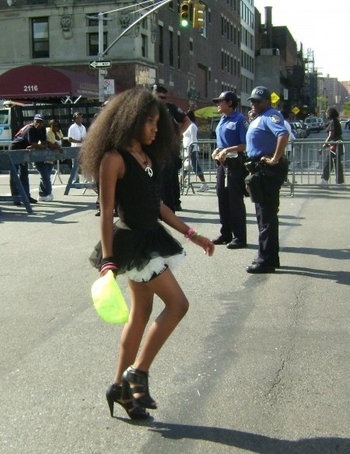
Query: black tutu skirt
[142, 254]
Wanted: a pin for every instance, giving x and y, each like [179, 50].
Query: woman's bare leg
[169, 291]
[141, 308]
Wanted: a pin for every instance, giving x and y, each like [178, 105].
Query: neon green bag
[108, 299]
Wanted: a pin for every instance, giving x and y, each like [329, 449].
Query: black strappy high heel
[139, 380]
[114, 394]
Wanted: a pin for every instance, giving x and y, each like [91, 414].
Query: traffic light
[198, 15]
[185, 13]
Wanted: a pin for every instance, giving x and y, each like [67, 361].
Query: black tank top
[138, 195]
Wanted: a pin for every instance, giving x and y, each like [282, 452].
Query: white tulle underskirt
[155, 267]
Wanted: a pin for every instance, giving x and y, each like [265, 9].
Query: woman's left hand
[206, 244]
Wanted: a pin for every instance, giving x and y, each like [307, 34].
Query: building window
[161, 43]
[202, 80]
[178, 51]
[144, 45]
[171, 48]
[93, 43]
[40, 37]
[94, 22]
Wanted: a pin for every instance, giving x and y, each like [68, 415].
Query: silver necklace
[148, 168]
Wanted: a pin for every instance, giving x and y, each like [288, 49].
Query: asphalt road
[260, 364]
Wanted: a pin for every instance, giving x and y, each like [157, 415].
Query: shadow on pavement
[253, 442]
[45, 212]
[340, 277]
[338, 254]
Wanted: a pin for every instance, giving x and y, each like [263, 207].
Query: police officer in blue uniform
[267, 138]
[230, 186]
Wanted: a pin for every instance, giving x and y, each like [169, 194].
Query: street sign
[100, 64]
[296, 110]
[274, 97]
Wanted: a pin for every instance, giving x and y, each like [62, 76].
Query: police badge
[275, 118]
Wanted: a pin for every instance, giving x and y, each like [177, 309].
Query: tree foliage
[346, 108]
[321, 103]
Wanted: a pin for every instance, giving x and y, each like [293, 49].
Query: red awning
[34, 81]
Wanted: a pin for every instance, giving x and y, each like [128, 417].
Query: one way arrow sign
[100, 64]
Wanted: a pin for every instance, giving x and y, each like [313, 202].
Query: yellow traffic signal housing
[198, 15]
[185, 9]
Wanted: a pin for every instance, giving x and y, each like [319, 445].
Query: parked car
[313, 124]
[298, 130]
[345, 122]
[305, 127]
[321, 123]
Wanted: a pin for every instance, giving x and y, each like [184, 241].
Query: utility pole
[101, 72]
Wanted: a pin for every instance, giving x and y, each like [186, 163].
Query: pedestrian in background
[76, 136]
[336, 151]
[124, 150]
[267, 138]
[77, 131]
[285, 115]
[54, 137]
[170, 189]
[191, 151]
[289, 147]
[31, 137]
[229, 157]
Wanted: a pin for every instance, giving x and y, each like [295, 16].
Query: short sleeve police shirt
[263, 132]
[231, 130]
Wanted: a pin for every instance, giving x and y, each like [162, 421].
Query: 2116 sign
[30, 88]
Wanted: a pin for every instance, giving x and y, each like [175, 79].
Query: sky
[320, 26]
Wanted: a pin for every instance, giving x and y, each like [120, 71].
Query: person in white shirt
[191, 151]
[77, 131]
[77, 134]
[291, 139]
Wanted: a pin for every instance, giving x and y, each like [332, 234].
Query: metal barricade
[8, 162]
[308, 160]
[10, 158]
[305, 169]
[188, 175]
